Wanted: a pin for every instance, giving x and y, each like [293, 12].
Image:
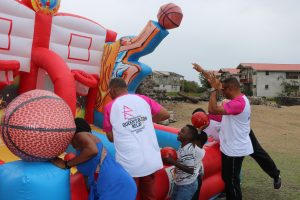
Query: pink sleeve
[217, 118]
[107, 127]
[235, 106]
[155, 107]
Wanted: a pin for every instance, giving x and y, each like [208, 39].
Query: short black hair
[198, 110]
[202, 138]
[117, 83]
[193, 131]
[232, 82]
[82, 125]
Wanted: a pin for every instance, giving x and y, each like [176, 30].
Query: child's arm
[171, 161]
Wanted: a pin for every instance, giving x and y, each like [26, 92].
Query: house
[269, 80]
[169, 81]
[215, 72]
[229, 72]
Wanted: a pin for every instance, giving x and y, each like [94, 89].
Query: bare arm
[199, 69]
[161, 116]
[88, 149]
[213, 107]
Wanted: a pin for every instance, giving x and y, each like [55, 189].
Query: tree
[290, 88]
[191, 86]
[204, 83]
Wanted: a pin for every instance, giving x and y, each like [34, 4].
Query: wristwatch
[212, 90]
[66, 165]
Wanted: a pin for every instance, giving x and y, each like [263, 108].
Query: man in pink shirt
[128, 122]
[235, 142]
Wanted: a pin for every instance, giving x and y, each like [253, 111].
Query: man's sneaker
[277, 183]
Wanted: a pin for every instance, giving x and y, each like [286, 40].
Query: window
[267, 73]
[254, 86]
[79, 47]
[266, 87]
[292, 75]
[5, 34]
[254, 73]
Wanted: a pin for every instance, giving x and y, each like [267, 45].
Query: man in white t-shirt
[128, 122]
[235, 142]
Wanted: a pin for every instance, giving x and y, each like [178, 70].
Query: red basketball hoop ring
[85, 78]
[84, 82]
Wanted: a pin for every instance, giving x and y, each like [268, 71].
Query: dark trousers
[231, 169]
[197, 193]
[263, 158]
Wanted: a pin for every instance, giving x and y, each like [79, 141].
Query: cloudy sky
[214, 33]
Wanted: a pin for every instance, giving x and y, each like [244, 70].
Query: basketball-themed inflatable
[73, 58]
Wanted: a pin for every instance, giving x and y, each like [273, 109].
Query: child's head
[198, 110]
[201, 139]
[188, 133]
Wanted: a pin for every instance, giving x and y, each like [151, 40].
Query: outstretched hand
[198, 68]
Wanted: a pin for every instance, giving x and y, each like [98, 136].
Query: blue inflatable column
[34, 181]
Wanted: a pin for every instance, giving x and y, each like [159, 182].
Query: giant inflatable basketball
[37, 126]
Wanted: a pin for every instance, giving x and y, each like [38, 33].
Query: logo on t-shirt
[134, 123]
[127, 112]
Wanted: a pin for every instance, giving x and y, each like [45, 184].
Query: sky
[214, 33]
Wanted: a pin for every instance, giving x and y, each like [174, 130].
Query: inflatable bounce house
[42, 50]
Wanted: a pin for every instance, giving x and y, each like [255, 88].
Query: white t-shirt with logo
[235, 128]
[190, 155]
[129, 118]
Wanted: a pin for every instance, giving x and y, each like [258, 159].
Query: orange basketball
[168, 152]
[200, 119]
[37, 126]
[169, 16]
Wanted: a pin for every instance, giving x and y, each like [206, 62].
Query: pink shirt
[235, 106]
[217, 118]
[107, 127]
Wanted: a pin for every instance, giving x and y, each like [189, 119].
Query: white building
[169, 81]
[268, 79]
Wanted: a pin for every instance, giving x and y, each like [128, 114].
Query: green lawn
[257, 185]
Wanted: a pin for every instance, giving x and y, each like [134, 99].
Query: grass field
[278, 131]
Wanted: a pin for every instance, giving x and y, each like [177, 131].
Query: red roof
[215, 72]
[230, 70]
[270, 67]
